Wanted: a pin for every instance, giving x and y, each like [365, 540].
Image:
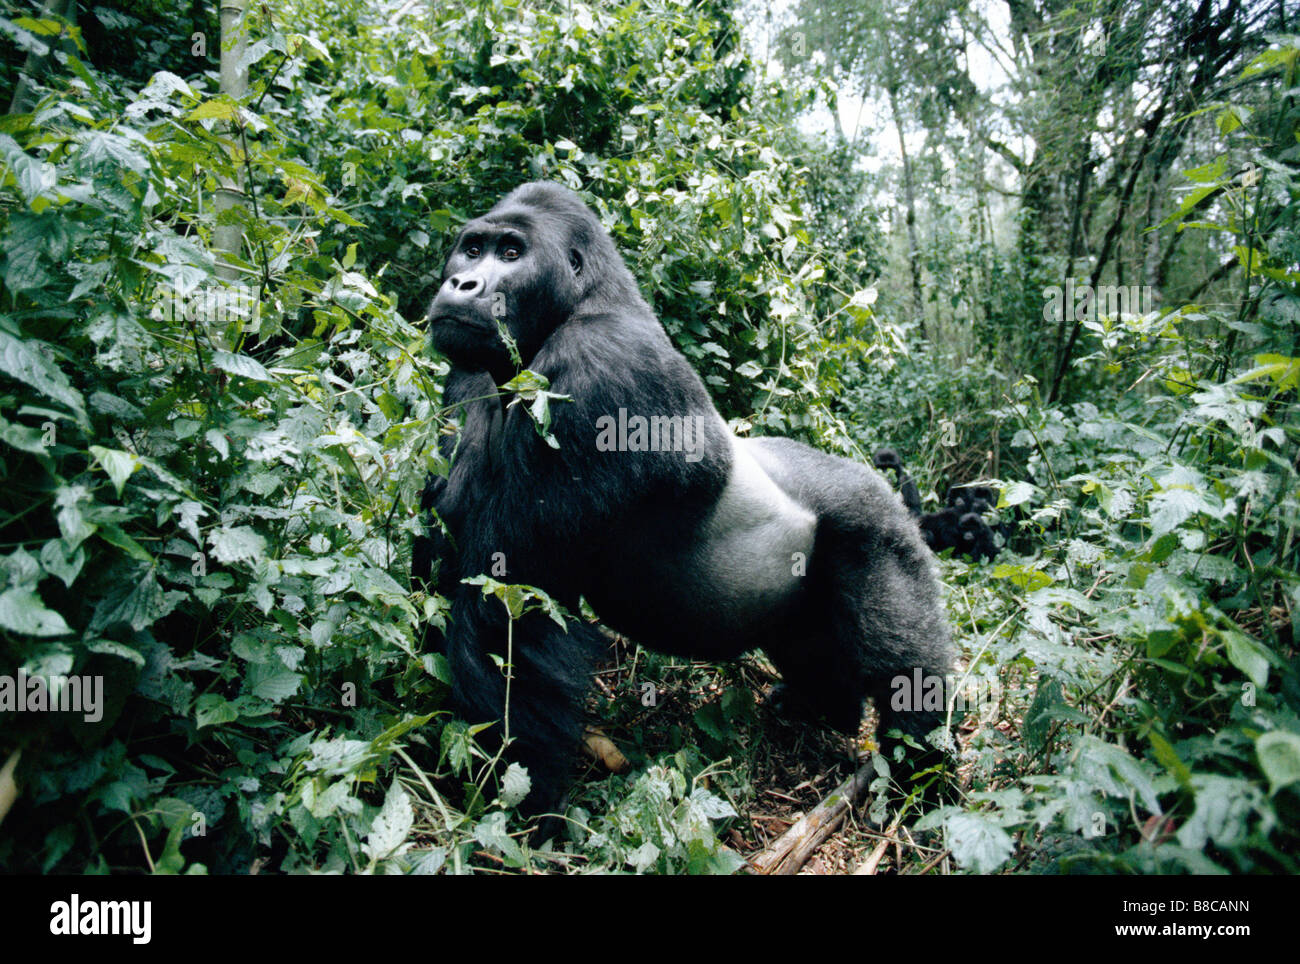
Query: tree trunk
[24, 93]
[228, 239]
[909, 198]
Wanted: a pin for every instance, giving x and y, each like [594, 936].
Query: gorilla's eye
[511, 252]
[472, 250]
[575, 261]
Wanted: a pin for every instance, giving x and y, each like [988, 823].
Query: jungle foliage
[210, 465]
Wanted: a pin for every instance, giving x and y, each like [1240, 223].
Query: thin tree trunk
[24, 92]
[1108, 242]
[228, 239]
[909, 198]
[1075, 242]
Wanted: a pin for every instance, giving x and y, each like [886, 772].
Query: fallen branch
[868, 867]
[602, 749]
[792, 849]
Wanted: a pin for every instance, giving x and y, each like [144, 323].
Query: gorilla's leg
[549, 679]
[871, 602]
[870, 627]
[818, 680]
[884, 616]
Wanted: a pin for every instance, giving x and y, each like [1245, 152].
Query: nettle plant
[204, 477]
[212, 462]
[1146, 647]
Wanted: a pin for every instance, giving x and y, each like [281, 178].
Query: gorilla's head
[887, 459]
[972, 498]
[537, 258]
[941, 530]
[976, 538]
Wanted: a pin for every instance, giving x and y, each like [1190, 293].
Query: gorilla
[889, 459]
[976, 536]
[941, 530]
[960, 525]
[972, 498]
[954, 528]
[680, 535]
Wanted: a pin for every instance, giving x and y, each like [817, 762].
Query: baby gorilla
[960, 526]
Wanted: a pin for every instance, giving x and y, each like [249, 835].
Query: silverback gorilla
[681, 536]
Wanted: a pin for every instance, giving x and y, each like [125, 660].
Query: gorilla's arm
[553, 517]
[889, 459]
[537, 501]
[473, 397]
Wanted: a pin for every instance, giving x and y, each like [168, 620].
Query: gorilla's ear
[575, 262]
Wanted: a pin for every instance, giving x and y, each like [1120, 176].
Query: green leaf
[27, 363]
[1169, 758]
[23, 437]
[515, 784]
[1279, 758]
[491, 833]
[22, 611]
[237, 544]
[1025, 577]
[240, 365]
[1247, 655]
[120, 650]
[391, 826]
[42, 28]
[212, 709]
[58, 562]
[1223, 806]
[136, 603]
[218, 108]
[171, 862]
[114, 150]
[118, 464]
[114, 536]
[271, 682]
[1038, 718]
[978, 844]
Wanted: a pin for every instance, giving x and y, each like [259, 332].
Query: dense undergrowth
[208, 487]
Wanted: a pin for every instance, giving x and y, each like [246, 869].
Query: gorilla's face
[512, 270]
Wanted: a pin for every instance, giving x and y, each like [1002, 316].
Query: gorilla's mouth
[460, 321]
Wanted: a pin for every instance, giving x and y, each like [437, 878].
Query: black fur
[954, 528]
[695, 556]
[960, 525]
[972, 498]
[976, 538]
[889, 459]
[940, 530]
